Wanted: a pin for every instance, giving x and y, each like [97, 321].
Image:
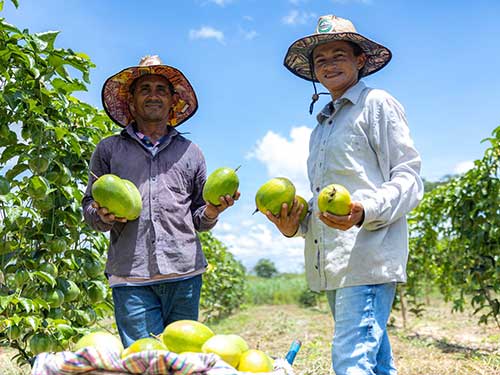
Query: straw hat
[115, 92]
[330, 28]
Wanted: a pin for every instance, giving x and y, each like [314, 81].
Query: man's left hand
[344, 222]
[212, 212]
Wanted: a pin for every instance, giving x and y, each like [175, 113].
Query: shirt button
[315, 241]
[330, 122]
[317, 189]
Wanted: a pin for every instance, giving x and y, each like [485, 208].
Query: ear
[361, 61]
[131, 106]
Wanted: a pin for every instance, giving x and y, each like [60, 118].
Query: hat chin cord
[315, 97]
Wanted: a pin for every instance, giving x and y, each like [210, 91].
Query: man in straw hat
[362, 142]
[155, 262]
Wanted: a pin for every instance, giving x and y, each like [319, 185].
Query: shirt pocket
[349, 153]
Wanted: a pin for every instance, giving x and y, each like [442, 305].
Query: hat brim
[115, 93]
[299, 54]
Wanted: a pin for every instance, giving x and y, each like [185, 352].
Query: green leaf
[48, 278]
[27, 304]
[49, 37]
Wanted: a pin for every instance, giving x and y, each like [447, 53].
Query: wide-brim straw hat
[331, 28]
[115, 92]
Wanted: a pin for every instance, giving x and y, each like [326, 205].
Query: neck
[337, 94]
[154, 130]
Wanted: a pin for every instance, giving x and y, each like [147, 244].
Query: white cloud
[207, 32]
[248, 18]
[286, 157]
[249, 35]
[259, 241]
[463, 167]
[296, 17]
[221, 3]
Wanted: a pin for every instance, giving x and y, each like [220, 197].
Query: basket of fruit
[185, 347]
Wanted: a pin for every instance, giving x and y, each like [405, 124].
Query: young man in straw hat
[362, 142]
[155, 262]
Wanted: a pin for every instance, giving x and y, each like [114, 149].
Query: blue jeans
[144, 310]
[360, 343]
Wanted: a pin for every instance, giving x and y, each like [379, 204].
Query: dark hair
[132, 86]
[356, 48]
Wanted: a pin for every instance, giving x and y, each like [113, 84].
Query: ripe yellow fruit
[254, 360]
[335, 199]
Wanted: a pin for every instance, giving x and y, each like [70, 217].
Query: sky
[253, 112]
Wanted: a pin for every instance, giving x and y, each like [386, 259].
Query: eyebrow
[321, 54]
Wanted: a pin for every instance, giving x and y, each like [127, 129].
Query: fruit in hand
[186, 336]
[301, 200]
[120, 196]
[273, 194]
[221, 182]
[335, 199]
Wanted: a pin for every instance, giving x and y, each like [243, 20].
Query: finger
[94, 204]
[271, 217]
[284, 211]
[103, 211]
[236, 196]
[121, 219]
[229, 200]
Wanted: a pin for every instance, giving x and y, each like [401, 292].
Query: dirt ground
[439, 343]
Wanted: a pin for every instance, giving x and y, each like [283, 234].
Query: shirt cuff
[370, 211]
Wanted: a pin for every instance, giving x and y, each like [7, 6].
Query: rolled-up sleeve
[397, 155]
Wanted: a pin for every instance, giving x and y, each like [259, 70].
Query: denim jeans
[144, 310]
[360, 343]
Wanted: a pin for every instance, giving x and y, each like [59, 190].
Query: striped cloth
[152, 362]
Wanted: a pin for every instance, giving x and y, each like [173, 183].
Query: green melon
[273, 194]
[221, 182]
[301, 200]
[186, 336]
[121, 197]
[335, 199]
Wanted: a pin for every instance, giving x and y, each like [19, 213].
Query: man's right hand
[287, 222]
[106, 216]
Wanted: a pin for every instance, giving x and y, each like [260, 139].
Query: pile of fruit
[185, 337]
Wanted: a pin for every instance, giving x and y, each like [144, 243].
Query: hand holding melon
[220, 190]
[116, 199]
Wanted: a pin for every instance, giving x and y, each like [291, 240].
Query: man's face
[151, 99]
[336, 67]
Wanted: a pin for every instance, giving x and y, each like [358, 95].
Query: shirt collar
[130, 130]
[352, 94]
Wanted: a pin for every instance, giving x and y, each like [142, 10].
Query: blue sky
[253, 112]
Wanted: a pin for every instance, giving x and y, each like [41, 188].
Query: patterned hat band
[116, 91]
[332, 28]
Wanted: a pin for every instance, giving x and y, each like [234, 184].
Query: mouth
[332, 75]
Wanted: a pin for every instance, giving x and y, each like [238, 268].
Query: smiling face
[151, 99]
[337, 67]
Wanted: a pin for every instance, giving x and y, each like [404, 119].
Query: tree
[455, 238]
[51, 263]
[223, 283]
[265, 268]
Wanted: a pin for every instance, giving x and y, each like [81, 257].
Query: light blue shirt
[362, 142]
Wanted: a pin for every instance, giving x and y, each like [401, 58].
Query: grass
[438, 343]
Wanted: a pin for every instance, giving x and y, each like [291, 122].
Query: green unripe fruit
[272, 195]
[221, 182]
[121, 197]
